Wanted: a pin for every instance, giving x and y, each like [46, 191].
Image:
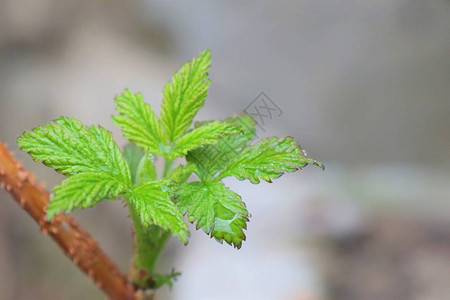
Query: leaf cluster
[96, 169]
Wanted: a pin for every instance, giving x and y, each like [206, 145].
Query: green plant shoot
[97, 170]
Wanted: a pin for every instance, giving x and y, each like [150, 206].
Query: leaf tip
[319, 164]
[206, 53]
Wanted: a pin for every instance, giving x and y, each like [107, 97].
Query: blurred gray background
[363, 85]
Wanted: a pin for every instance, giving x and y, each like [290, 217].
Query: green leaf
[139, 123]
[244, 121]
[217, 210]
[141, 164]
[146, 170]
[82, 191]
[180, 174]
[210, 133]
[161, 280]
[72, 148]
[268, 159]
[154, 205]
[133, 155]
[210, 159]
[185, 95]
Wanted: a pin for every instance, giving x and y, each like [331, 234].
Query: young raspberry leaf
[185, 95]
[87, 155]
[72, 148]
[180, 174]
[268, 159]
[133, 155]
[210, 133]
[210, 159]
[82, 191]
[218, 211]
[141, 164]
[153, 203]
[161, 280]
[139, 123]
[146, 170]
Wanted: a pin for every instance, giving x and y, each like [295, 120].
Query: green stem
[167, 167]
[148, 244]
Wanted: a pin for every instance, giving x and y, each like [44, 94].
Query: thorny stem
[76, 243]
